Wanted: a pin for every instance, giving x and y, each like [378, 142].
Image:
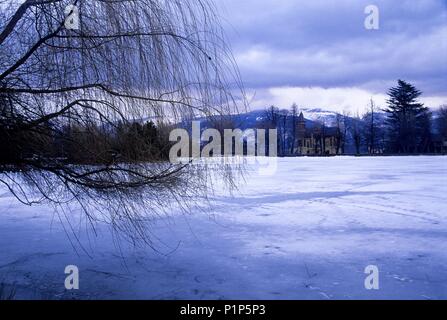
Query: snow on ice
[308, 232]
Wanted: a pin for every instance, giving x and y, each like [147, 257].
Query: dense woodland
[82, 144]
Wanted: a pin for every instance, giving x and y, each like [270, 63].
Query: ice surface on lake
[307, 232]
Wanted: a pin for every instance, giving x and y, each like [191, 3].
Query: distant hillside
[256, 118]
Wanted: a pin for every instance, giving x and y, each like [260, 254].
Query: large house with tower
[316, 140]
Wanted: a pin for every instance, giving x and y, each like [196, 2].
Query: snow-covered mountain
[320, 115]
[255, 119]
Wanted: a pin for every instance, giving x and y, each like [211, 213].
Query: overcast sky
[318, 53]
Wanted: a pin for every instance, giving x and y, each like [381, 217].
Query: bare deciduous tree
[356, 130]
[371, 127]
[128, 60]
[340, 133]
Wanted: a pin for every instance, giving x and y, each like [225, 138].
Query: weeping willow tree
[73, 71]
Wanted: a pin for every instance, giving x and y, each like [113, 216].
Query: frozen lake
[308, 232]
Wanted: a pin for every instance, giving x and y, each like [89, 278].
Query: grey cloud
[324, 43]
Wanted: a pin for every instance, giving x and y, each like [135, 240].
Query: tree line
[78, 143]
[404, 126]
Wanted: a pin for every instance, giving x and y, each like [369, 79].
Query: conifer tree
[407, 118]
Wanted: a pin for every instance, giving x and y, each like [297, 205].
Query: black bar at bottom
[233, 310]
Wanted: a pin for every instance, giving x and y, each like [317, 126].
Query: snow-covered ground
[307, 232]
